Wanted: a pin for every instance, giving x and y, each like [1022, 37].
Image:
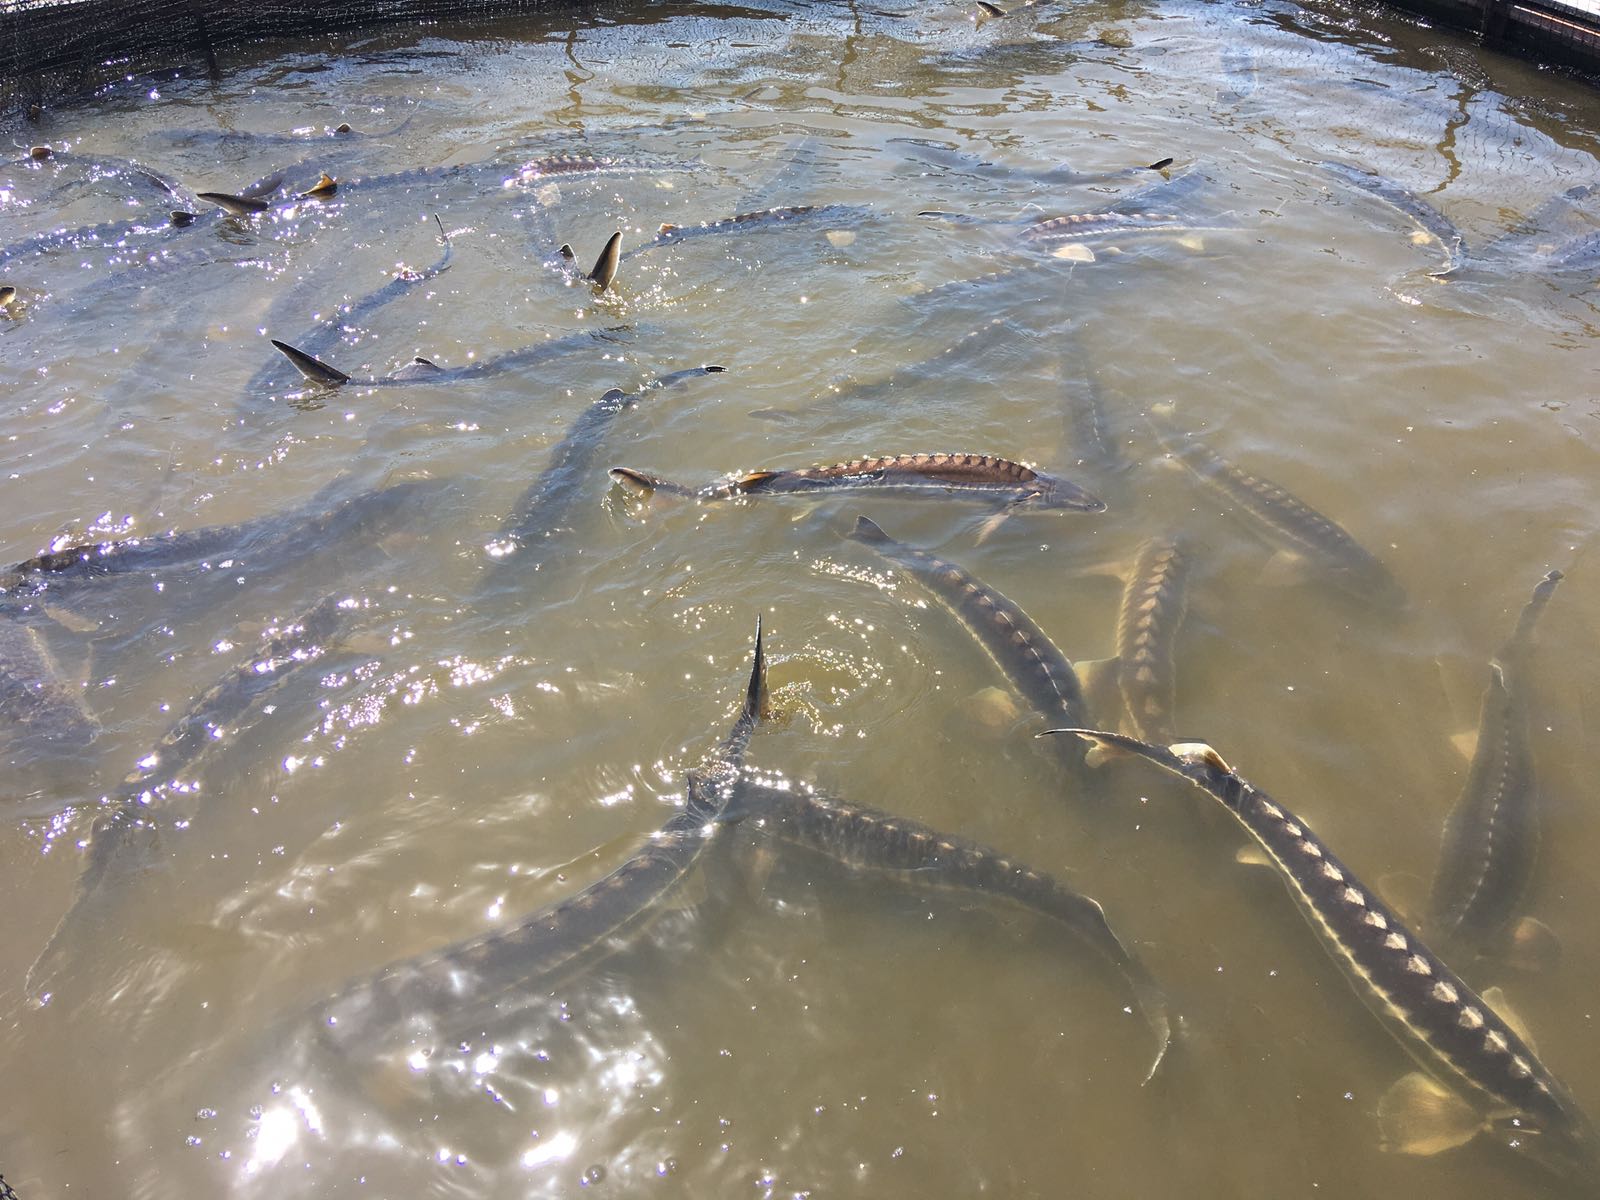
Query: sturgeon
[264, 543]
[1081, 227]
[1491, 838]
[42, 715]
[1154, 603]
[964, 163]
[969, 476]
[1481, 1076]
[506, 971]
[536, 518]
[763, 221]
[1029, 660]
[587, 166]
[1283, 518]
[1433, 223]
[206, 725]
[866, 839]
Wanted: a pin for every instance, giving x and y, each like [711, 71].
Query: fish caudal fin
[1419, 1115]
[313, 369]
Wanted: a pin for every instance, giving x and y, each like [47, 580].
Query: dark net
[5, 1190]
[52, 49]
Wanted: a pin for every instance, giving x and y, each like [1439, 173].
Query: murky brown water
[789, 1028]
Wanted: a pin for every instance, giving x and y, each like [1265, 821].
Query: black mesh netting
[50, 49]
[5, 1190]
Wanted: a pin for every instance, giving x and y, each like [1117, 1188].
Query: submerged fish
[1154, 603]
[502, 973]
[1088, 423]
[1029, 660]
[209, 723]
[869, 840]
[97, 166]
[40, 715]
[425, 371]
[1480, 1076]
[1430, 220]
[764, 221]
[1283, 518]
[1491, 838]
[1082, 227]
[536, 518]
[574, 166]
[266, 543]
[975, 476]
[961, 162]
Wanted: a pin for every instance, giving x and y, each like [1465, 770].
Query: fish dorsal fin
[1419, 1115]
[605, 267]
[666, 227]
[313, 369]
[1495, 998]
[1252, 855]
[1533, 946]
[567, 253]
[325, 186]
[752, 480]
[1406, 893]
[990, 10]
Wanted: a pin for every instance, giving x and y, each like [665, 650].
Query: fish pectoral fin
[71, 621]
[1285, 569]
[1252, 856]
[990, 524]
[1533, 946]
[1495, 998]
[1419, 1115]
[1101, 681]
[1073, 252]
[995, 711]
[1192, 241]
[1465, 743]
[1406, 893]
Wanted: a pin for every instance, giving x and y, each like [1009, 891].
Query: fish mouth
[1073, 498]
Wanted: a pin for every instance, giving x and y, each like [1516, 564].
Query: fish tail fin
[866, 530]
[642, 484]
[605, 267]
[324, 187]
[313, 369]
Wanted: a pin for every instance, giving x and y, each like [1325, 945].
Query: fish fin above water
[1495, 997]
[605, 267]
[1074, 252]
[322, 189]
[313, 369]
[239, 206]
[990, 10]
[1533, 946]
[1406, 893]
[567, 253]
[1419, 1115]
[182, 219]
[753, 479]
[1161, 164]
[643, 485]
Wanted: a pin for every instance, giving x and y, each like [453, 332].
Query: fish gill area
[320, 671]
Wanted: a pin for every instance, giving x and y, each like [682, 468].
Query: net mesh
[5, 1190]
[52, 49]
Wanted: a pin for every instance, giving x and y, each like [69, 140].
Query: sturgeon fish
[1427, 218]
[1283, 518]
[1154, 603]
[98, 166]
[264, 543]
[1481, 1076]
[1029, 660]
[206, 725]
[580, 166]
[866, 839]
[764, 221]
[536, 518]
[1491, 838]
[425, 371]
[974, 476]
[1082, 227]
[964, 163]
[42, 715]
[506, 971]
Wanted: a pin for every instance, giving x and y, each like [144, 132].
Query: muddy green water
[788, 1028]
